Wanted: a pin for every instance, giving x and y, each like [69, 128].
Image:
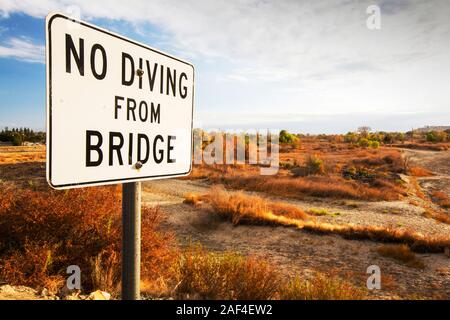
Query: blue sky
[305, 66]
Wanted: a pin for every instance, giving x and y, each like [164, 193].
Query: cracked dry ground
[294, 250]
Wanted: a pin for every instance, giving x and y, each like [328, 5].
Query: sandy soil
[296, 250]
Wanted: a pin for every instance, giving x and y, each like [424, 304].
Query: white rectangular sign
[117, 110]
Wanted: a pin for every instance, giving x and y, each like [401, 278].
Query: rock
[71, 297]
[7, 289]
[447, 252]
[18, 293]
[99, 295]
[64, 292]
[44, 292]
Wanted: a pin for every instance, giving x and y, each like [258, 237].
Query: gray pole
[131, 240]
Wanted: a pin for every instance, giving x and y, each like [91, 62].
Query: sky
[305, 66]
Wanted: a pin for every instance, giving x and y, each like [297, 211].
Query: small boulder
[44, 293]
[99, 295]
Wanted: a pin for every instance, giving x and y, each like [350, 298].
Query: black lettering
[79, 58]
[147, 148]
[116, 105]
[90, 147]
[183, 93]
[171, 81]
[155, 114]
[161, 80]
[151, 76]
[130, 149]
[126, 56]
[131, 101]
[115, 147]
[94, 49]
[143, 106]
[161, 152]
[170, 148]
[140, 78]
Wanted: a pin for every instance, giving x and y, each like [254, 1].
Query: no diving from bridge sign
[117, 110]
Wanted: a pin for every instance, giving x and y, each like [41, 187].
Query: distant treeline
[365, 138]
[17, 136]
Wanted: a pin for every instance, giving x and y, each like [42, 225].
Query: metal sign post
[131, 240]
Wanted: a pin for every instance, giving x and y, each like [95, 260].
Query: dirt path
[295, 250]
[437, 162]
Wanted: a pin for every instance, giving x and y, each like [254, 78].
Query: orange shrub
[231, 276]
[443, 200]
[401, 253]
[242, 208]
[393, 161]
[321, 287]
[43, 232]
[317, 186]
[419, 172]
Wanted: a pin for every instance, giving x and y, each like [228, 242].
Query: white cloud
[296, 39]
[284, 32]
[22, 49]
[317, 54]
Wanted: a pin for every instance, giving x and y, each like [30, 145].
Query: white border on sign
[48, 21]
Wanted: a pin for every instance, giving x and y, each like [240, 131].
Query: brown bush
[441, 199]
[419, 172]
[209, 275]
[393, 161]
[43, 232]
[193, 198]
[242, 208]
[424, 146]
[401, 253]
[230, 276]
[249, 178]
[313, 165]
[321, 287]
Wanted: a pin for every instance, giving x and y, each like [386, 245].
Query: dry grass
[322, 212]
[441, 199]
[391, 161]
[193, 198]
[442, 217]
[315, 186]
[321, 287]
[419, 172]
[11, 155]
[401, 253]
[443, 146]
[418, 189]
[240, 208]
[208, 275]
[317, 169]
